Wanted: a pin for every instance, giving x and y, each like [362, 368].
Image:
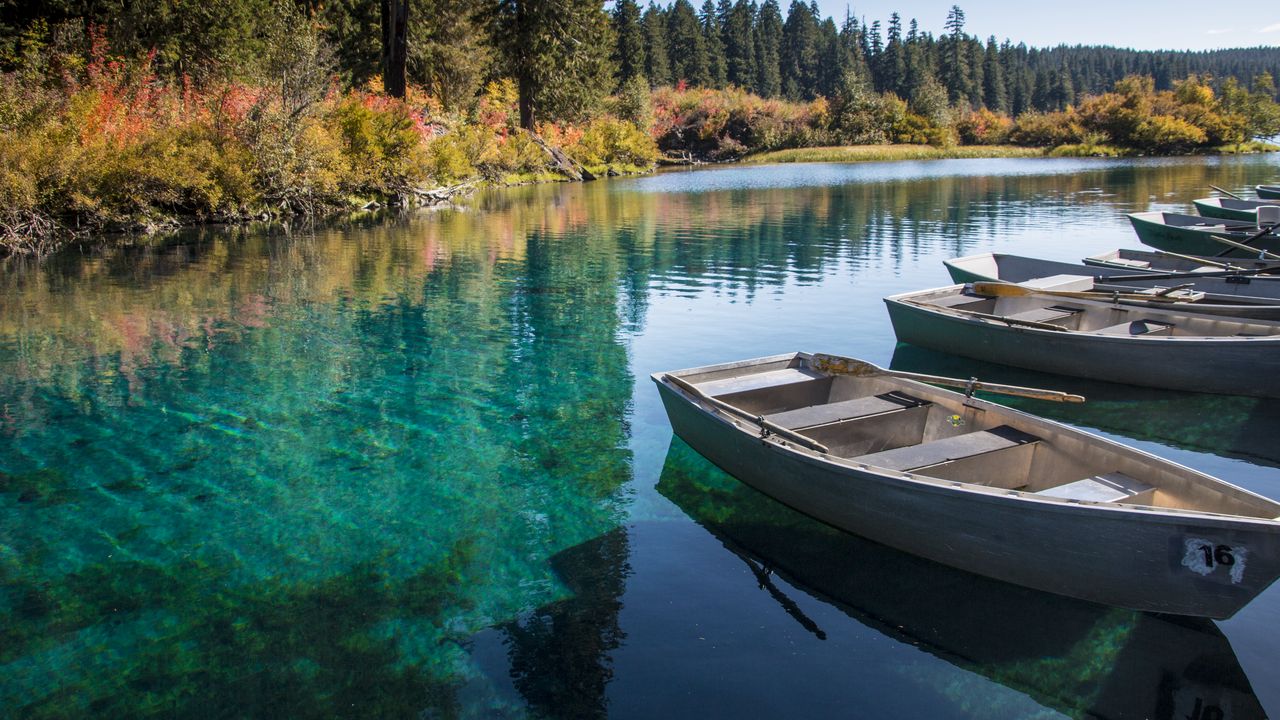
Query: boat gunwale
[908, 298]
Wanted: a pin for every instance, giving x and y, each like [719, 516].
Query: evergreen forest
[139, 114]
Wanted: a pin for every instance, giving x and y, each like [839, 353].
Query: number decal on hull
[1208, 558]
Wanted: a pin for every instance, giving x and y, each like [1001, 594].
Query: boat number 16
[1209, 558]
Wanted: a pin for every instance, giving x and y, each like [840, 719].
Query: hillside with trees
[140, 114]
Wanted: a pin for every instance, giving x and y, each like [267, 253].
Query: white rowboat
[979, 486]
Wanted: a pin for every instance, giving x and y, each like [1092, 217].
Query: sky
[1172, 25]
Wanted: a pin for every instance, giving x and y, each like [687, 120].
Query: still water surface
[416, 468]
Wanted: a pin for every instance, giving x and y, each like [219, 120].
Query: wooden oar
[836, 365]
[1226, 192]
[1001, 289]
[1248, 242]
[1243, 246]
[774, 428]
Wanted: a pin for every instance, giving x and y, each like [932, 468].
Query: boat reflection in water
[1225, 425]
[1081, 659]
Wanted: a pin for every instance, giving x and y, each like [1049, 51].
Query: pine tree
[994, 95]
[740, 44]
[954, 60]
[657, 66]
[891, 75]
[558, 52]
[769, 51]
[800, 53]
[629, 55]
[714, 44]
[686, 49]
[450, 51]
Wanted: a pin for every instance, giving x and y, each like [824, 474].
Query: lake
[415, 467]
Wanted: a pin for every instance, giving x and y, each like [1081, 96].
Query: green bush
[381, 144]
[612, 143]
[1046, 129]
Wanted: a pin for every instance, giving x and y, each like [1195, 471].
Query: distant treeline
[805, 56]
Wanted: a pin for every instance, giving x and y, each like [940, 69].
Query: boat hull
[1195, 239]
[1268, 192]
[1240, 296]
[1232, 209]
[1104, 555]
[1229, 366]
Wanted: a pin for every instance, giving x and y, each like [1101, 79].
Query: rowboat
[1065, 334]
[1245, 211]
[1268, 192]
[978, 486]
[1239, 295]
[1194, 235]
[1158, 261]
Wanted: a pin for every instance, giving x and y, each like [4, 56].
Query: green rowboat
[1193, 235]
[1231, 209]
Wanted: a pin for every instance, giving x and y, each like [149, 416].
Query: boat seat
[1077, 283]
[1111, 487]
[825, 414]
[757, 381]
[1046, 314]
[937, 452]
[1143, 264]
[1138, 327]
[959, 300]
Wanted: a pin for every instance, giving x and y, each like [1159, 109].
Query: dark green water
[417, 469]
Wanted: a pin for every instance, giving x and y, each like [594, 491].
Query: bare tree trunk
[524, 88]
[395, 45]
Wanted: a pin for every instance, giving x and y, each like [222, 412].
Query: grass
[1254, 146]
[882, 153]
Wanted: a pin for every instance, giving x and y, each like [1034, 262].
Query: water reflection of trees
[147, 302]
[317, 463]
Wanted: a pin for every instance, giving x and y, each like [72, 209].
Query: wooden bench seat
[1111, 487]
[938, 452]
[815, 415]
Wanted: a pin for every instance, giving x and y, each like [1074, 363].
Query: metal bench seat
[937, 452]
[816, 415]
[1110, 487]
[757, 381]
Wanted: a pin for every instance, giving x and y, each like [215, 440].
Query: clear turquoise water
[415, 468]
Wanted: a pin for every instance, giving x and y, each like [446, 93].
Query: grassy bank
[887, 153]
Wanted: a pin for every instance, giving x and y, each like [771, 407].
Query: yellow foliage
[611, 142]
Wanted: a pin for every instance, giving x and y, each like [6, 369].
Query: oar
[836, 365]
[1001, 289]
[1247, 242]
[1226, 192]
[1245, 246]
[774, 428]
[1183, 275]
[1196, 259]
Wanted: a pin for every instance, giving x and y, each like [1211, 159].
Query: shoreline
[456, 195]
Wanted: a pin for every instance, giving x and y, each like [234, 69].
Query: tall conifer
[768, 50]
